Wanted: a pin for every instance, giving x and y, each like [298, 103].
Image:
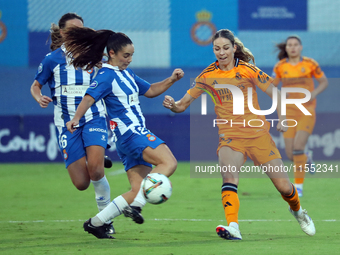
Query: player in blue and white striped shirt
[120, 88]
[84, 150]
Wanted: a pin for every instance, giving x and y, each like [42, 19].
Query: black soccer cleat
[109, 228]
[99, 232]
[134, 213]
[107, 162]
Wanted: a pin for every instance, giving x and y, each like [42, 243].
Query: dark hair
[56, 39]
[87, 45]
[242, 52]
[281, 47]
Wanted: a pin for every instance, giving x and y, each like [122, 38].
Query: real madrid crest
[3, 30]
[203, 30]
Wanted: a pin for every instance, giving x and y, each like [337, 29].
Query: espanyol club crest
[203, 30]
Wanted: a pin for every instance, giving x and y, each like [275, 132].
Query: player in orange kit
[294, 70]
[239, 141]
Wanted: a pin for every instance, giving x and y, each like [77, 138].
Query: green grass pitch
[42, 213]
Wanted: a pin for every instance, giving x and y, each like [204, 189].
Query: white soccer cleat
[306, 223]
[229, 233]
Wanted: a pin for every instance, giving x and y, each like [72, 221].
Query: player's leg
[300, 159]
[289, 147]
[162, 158]
[288, 192]
[303, 129]
[229, 160]
[74, 155]
[119, 205]
[94, 137]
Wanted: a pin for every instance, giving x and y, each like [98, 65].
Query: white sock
[234, 225]
[102, 192]
[297, 213]
[139, 200]
[299, 186]
[111, 211]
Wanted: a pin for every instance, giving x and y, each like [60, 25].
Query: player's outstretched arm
[84, 105]
[159, 87]
[179, 106]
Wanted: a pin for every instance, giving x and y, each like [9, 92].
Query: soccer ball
[156, 188]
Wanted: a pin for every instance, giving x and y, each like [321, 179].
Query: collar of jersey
[110, 66]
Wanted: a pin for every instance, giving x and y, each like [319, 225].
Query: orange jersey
[243, 76]
[299, 75]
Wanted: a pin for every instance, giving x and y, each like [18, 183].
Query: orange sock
[300, 159]
[293, 199]
[230, 202]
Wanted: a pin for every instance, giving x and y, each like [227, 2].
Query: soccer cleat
[229, 233]
[99, 232]
[306, 223]
[310, 161]
[300, 192]
[134, 213]
[109, 228]
[107, 162]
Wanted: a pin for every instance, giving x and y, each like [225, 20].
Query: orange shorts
[304, 123]
[260, 149]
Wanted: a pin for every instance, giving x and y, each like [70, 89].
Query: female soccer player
[237, 142]
[296, 71]
[83, 151]
[120, 88]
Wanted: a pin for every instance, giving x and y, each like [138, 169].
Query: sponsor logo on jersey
[93, 84]
[40, 68]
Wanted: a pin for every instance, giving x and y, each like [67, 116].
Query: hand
[280, 127]
[71, 125]
[177, 74]
[44, 101]
[169, 102]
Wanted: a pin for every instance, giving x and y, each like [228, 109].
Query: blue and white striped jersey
[68, 86]
[120, 90]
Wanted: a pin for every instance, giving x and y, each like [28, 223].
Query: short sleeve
[316, 71]
[143, 85]
[45, 71]
[262, 80]
[196, 88]
[100, 87]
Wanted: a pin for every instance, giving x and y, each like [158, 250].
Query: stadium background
[166, 34]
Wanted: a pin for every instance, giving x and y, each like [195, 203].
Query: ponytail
[242, 52]
[86, 46]
[56, 39]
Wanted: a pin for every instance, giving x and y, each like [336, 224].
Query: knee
[171, 165]
[96, 175]
[289, 154]
[285, 188]
[298, 146]
[96, 171]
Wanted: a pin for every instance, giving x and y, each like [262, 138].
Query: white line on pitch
[195, 220]
[117, 172]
